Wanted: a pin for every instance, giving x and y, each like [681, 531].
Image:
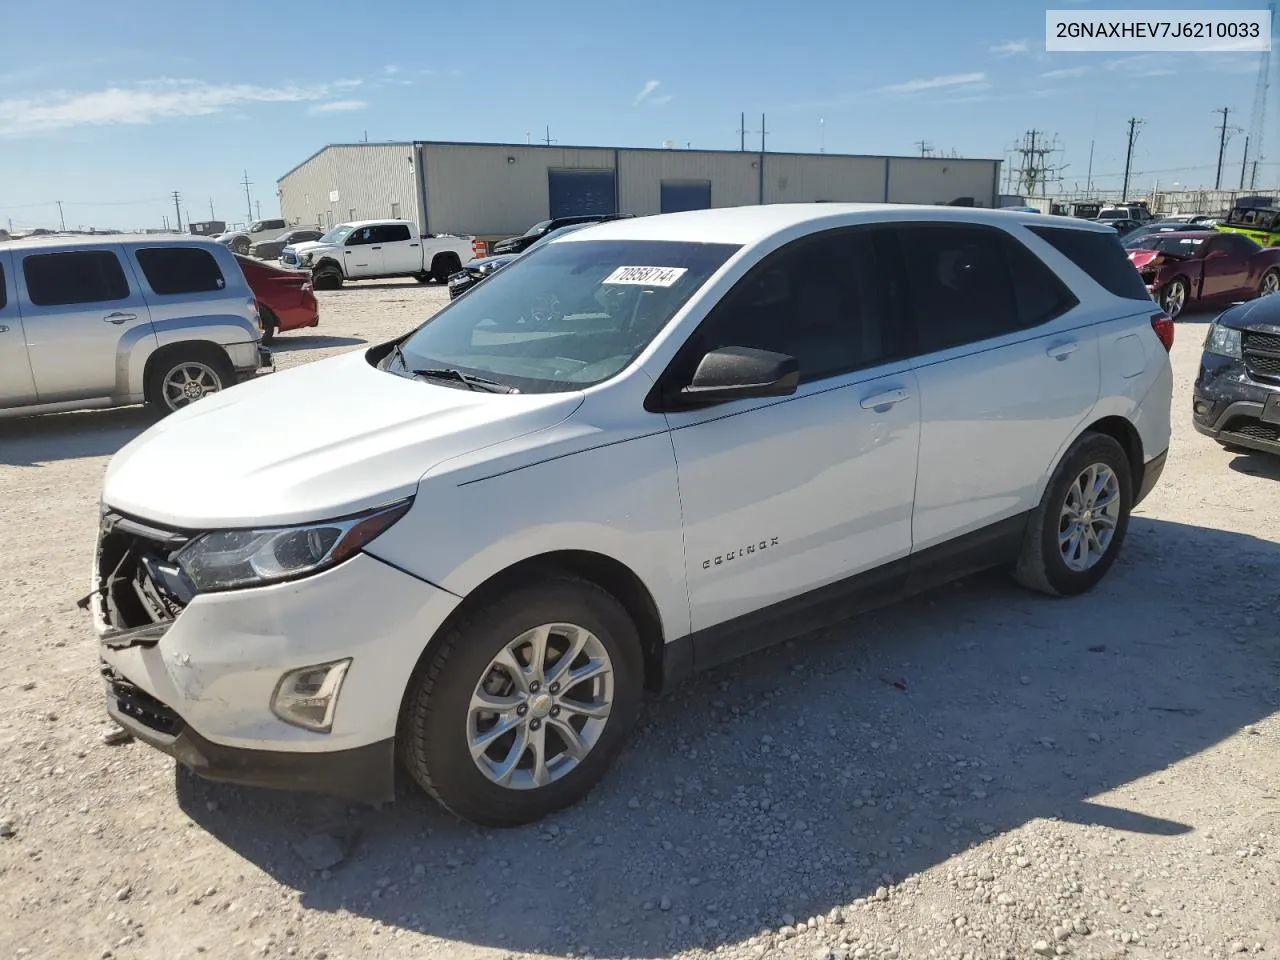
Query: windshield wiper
[470, 381]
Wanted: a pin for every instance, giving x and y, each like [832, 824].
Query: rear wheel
[522, 705]
[443, 265]
[1076, 532]
[1173, 298]
[270, 324]
[1270, 283]
[422, 277]
[181, 377]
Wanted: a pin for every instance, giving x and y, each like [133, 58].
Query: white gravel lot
[980, 773]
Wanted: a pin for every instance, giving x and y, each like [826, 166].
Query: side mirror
[737, 373]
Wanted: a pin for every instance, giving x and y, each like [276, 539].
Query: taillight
[1162, 324]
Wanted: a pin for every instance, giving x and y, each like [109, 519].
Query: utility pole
[822, 135]
[247, 202]
[547, 139]
[258, 204]
[1244, 162]
[925, 146]
[177, 211]
[212, 215]
[1134, 122]
[1222, 145]
[61, 219]
[742, 131]
[1088, 177]
[763, 131]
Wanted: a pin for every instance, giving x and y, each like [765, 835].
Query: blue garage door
[680, 195]
[578, 192]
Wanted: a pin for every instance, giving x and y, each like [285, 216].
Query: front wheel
[521, 706]
[269, 323]
[1075, 534]
[241, 246]
[444, 266]
[326, 278]
[1270, 283]
[1173, 298]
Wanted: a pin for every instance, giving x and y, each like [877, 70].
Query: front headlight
[306, 259]
[1223, 341]
[227, 559]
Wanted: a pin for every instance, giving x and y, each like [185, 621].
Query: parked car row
[371, 249]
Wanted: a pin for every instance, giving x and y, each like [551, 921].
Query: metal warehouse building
[495, 190]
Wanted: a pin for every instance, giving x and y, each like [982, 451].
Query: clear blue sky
[110, 106]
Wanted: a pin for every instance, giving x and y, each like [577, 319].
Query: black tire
[433, 735]
[1041, 565]
[327, 277]
[444, 265]
[241, 246]
[1169, 304]
[164, 365]
[1269, 285]
[270, 324]
[422, 277]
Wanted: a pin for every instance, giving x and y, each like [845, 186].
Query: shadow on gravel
[810, 774]
[288, 343]
[31, 441]
[1257, 465]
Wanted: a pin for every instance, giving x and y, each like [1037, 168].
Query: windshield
[1262, 218]
[1114, 214]
[337, 234]
[1183, 246]
[565, 317]
[537, 228]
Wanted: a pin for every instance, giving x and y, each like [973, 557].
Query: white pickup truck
[366, 249]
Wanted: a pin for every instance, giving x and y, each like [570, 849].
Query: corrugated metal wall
[735, 177]
[367, 178]
[938, 180]
[808, 179]
[493, 190]
[490, 190]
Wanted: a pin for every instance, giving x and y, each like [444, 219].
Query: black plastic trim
[1151, 472]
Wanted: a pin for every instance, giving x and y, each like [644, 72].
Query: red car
[285, 299]
[1191, 269]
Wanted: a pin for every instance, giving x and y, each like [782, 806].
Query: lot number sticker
[646, 276]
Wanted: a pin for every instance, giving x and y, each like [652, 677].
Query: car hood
[316, 442]
[491, 263]
[1141, 258]
[305, 247]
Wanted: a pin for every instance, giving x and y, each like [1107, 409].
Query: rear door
[81, 311]
[17, 386]
[401, 252]
[361, 255]
[1007, 369]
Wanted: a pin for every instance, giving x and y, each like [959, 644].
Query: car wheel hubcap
[1270, 284]
[1089, 517]
[1175, 299]
[540, 706]
[188, 383]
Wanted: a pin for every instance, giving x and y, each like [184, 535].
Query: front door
[362, 255]
[1007, 368]
[781, 496]
[16, 384]
[81, 311]
[1225, 271]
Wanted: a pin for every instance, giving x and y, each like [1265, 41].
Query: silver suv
[103, 322]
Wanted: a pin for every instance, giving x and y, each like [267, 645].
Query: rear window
[177, 270]
[1101, 256]
[83, 276]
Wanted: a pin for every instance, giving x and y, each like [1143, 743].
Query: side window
[390, 232]
[276, 224]
[85, 276]
[819, 299]
[962, 289]
[176, 270]
[1100, 256]
[1238, 245]
[360, 237]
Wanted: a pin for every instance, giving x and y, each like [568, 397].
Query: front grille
[1261, 354]
[138, 582]
[1253, 430]
[137, 704]
[1268, 342]
[1266, 366]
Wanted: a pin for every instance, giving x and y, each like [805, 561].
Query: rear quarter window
[177, 270]
[81, 276]
[1100, 255]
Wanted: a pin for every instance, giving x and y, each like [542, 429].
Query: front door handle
[119, 318]
[882, 401]
[413, 244]
[4, 329]
[377, 248]
[1060, 351]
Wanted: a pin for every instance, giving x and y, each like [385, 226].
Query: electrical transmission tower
[1253, 148]
[1035, 172]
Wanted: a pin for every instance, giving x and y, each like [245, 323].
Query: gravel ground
[981, 773]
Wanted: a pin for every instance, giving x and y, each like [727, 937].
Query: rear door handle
[377, 248]
[119, 318]
[1060, 351]
[884, 400]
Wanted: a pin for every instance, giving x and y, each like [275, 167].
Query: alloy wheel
[1175, 298]
[189, 382]
[1089, 517]
[1271, 284]
[540, 706]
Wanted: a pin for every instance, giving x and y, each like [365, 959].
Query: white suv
[643, 449]
[102, 322]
